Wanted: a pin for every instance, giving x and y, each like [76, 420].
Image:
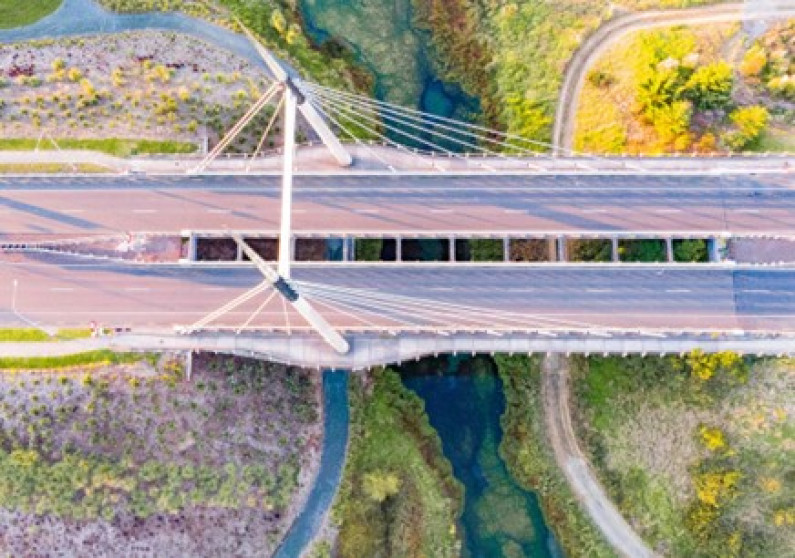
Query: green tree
[750, 123]
[710, 86]
[380, 485]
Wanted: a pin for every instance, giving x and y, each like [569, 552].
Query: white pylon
[286, 232]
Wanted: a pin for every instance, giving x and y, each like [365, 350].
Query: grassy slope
[111, 146]
[390, 435]
[529, 458]
[640, 424]
[15, 13]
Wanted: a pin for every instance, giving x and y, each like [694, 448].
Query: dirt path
[613, 30]
[555, 392]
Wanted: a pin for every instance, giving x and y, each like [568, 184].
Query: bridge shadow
[48, 214]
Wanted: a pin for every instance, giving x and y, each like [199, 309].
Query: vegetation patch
[16, 13]
[141, 458]
[697, 90]
[530, 460]
[23, 335]
[398, 495]
[695, 451]
[51, 168]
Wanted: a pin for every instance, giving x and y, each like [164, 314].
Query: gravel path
[555, 391]
[609, 33]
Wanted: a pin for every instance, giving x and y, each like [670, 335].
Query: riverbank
[528, 455]
[398, 493]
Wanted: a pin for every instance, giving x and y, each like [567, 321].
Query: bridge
[415, 181]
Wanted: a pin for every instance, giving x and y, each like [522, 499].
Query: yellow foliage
[769, 484]
[712, 438]
[784, 517]
[713, 488]
[753, 62]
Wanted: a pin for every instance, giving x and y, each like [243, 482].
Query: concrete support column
[552, 249]
[192, 247]
[713, 245]
[614, 248]
[562, 252]
[398, 249]
[451, 249]
[188, 365]
[285, 236]
[506, 249]
[669, 249]
[348, 249]
[239, 256]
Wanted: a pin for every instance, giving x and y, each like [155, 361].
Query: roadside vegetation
[16, 13]
[691, 90]
[22, 335]
[127, 94]
[696, 451]
[512, 55]
[51, 168]
[398, 496]
[529, 458]
[126, 447]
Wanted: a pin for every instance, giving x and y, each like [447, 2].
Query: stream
[464, 400]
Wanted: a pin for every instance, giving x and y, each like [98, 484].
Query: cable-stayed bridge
[416, 175]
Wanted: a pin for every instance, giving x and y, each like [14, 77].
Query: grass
[51, 168]
[398, 491]
[21, 335]
[642, 422]
[16, 13]
[93, 358]
[529, 458]
[112, 146]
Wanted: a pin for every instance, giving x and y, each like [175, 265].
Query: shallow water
[464, 401]
[382, 35]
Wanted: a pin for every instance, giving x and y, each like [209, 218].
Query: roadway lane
[742, 204]
[56, 293]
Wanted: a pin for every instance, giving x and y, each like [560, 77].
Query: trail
[586, 488]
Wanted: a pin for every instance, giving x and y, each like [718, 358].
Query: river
[464, 400]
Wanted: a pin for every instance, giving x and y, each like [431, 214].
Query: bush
[750, 122]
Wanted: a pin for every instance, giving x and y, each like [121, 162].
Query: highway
[42, 207]
[60, 291]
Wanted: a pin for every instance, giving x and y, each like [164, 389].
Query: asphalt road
[56, 292]
[34, 207]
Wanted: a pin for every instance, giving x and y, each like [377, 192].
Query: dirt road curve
[555, 389]
[615, 29]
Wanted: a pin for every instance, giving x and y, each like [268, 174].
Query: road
[59, 292]
[609, 33]
[33, 208]
[584, 484]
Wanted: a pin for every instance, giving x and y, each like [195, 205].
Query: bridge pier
[398, 249]
[713, 246]
[562, 255]
[348, 248]
[669, 249]
[614, 249]
[506, 249]
[451, 249]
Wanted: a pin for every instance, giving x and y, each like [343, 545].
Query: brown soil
[530, 250]
[310, 250]
[216, 250]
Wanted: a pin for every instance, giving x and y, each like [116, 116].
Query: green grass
[26, 335]
[98, 357]
[16, 13]
[529, 458]
[50, 168]
[391, 437]
[112, 146]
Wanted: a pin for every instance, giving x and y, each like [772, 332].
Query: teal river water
[464, 401]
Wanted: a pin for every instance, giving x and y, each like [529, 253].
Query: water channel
[464, 401]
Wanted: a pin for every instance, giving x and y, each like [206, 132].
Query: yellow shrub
[712, 438]
[714, 488]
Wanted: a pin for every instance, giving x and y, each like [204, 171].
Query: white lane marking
[440, 210]
[514, 211]
[298, 210]
[213, 288]
[144, 210]
[598, 290]
[667, 210]
[214, 210]
[367, 210]
[746, 211]
[761, 291]
[594, 211]
[137, 289]
[62, 289]
[677, 290]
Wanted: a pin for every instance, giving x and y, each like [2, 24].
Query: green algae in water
[382, 35]
[464, 401]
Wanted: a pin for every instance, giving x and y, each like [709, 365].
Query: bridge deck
[62, 292]
[408, 205]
